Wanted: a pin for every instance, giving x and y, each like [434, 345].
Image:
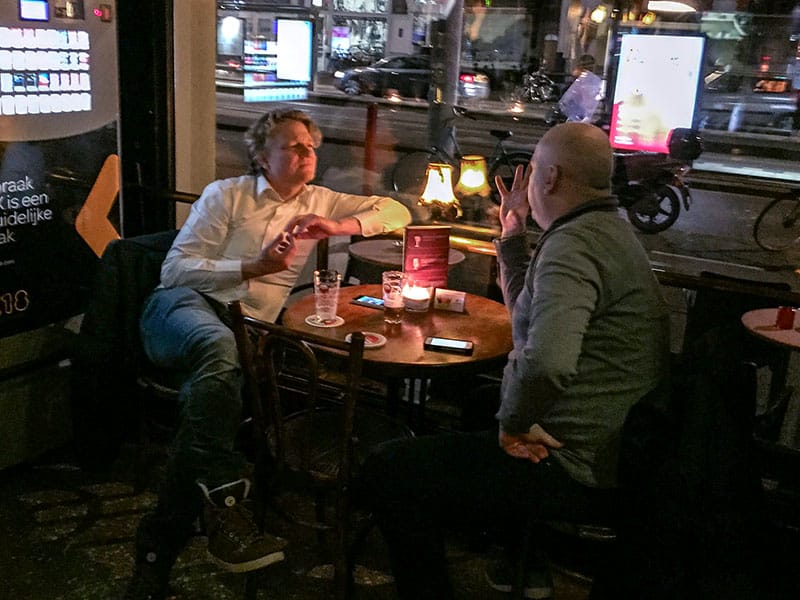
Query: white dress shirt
[235, 218]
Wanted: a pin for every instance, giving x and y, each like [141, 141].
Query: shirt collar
[262, 185]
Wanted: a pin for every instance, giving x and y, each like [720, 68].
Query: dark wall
[146, 114]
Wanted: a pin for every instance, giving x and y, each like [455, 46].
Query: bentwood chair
[310, 433]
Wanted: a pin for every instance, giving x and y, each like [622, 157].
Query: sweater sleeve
[551, 317]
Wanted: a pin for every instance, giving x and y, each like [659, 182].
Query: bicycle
[776, 227]
[408, 176]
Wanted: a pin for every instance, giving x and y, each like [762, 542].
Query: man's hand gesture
[514, 206]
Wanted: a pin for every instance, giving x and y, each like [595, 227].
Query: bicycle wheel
[776, 227]
[505, 166]
[408, 176]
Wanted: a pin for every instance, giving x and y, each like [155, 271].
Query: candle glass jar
[416, 297]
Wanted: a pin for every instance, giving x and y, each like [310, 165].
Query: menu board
[426, 251]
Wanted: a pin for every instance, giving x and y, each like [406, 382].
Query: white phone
[441, 344]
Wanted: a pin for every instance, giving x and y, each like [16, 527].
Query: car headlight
[338, 74]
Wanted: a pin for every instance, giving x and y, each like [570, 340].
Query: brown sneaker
[234, 541]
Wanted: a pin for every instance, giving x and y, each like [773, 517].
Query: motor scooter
[651, 186]
[537, 87]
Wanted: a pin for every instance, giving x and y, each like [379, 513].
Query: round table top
[389, 253]
[485, 322]
[761, 323]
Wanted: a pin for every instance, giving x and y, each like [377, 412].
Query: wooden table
[485, 322]
[761, 323]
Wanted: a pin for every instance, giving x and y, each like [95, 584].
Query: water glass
[393, 283]
[326, 294]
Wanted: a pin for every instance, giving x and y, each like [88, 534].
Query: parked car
[410, 76]
[749, 104]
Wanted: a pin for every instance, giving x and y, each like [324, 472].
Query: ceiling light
[669, 6]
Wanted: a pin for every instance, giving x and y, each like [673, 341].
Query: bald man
[591, 337]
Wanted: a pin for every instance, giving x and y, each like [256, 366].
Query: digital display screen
[44, 71]
[295, 43]
[34, 10]
[280, 69]
[656, 89]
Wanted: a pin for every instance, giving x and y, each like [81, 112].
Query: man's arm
[192, 260]
[511, 249]
[336, 213]
[560, 302]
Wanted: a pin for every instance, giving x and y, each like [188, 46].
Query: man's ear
[551, 178]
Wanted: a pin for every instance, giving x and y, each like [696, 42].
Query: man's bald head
[571, 166]
[582, 153]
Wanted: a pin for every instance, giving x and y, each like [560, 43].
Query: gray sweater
[591, 336]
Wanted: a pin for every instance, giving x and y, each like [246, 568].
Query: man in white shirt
[247, 238]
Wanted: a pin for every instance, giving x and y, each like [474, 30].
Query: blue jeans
[182, 330]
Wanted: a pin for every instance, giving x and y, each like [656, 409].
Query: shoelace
[244, 515]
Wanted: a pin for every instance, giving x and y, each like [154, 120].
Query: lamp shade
[438, 193]
[473, 180]
[438, 185]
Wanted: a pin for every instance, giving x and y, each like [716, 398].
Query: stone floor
[68, 535]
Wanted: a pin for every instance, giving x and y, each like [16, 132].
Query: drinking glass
[393, 282]
[326, 294]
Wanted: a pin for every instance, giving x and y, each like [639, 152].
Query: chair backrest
[287, 382]
[129, 271]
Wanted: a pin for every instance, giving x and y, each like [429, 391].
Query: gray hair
[259, 134]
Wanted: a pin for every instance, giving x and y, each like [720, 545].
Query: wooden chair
[310, 433]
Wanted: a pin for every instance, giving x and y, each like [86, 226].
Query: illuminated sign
[656, 89]
[279, 69]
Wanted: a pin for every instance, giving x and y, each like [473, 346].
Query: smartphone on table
[369, 301]
[441, 344]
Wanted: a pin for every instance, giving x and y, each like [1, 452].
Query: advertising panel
[656, 89]
[278, 68]
[59, 175]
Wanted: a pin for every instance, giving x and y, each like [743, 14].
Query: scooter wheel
[656, 211]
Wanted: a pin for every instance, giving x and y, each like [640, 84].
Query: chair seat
[371, 428]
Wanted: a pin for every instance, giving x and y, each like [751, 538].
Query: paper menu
[426, 253]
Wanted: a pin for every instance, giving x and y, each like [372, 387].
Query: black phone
[368, 301]
[441, 344]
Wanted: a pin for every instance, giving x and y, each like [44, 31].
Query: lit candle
[416, 298]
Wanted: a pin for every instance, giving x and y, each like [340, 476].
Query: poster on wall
[656, 89]
[59, 104]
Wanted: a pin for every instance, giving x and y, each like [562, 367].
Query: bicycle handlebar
[461, 111]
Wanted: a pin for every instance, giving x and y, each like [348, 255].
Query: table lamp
[473, 186]
[438, 194]
[473, 180]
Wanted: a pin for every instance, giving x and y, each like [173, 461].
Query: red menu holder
[426, 254]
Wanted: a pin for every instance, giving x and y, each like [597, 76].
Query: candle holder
[416, 298]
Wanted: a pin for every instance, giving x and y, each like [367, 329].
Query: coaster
[371, 339]
[314, 321]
